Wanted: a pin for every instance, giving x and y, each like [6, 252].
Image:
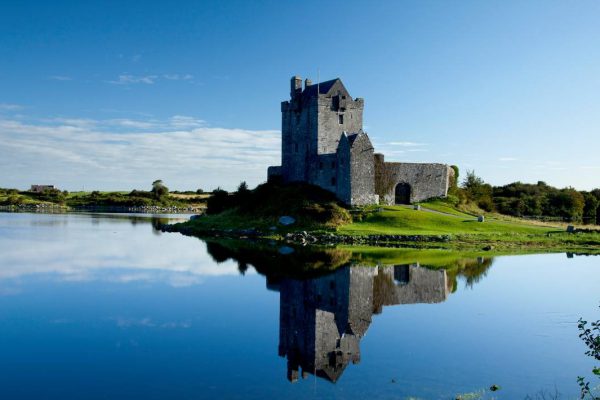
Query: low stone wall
[426, 180]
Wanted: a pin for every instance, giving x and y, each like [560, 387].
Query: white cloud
[10, 107]
[128, 79]
[507, 159]
[132, 79]
[61, 78]
[131, 123]
[181, 121]
[126, 153]
[178, 77]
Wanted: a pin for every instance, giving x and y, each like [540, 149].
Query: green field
[398, 220]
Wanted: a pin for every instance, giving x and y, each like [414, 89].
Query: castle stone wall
[426, 180]
[317, 124]
[329, 127]
[362, 172]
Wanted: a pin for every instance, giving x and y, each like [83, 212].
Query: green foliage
[219, 202]
[591, 337]
[13, 200]
[478, 192]
[48, 195]
[566, 203]
[590, 209]
[307, 203]
[522, 199]
[454, 179]
[159, 190]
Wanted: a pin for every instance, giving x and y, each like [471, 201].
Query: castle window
[321, 165]
[333, 181]
[340, 119]
[333, 165]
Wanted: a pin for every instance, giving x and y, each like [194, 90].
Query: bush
[270, 200]
[219, 202]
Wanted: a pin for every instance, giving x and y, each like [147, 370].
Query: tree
[159, 190]
[243, 187]
[596, 194]
[218, 202]
[478, 191]
[566, 203]
[590, 208]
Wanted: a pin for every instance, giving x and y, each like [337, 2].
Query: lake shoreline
[555, 242]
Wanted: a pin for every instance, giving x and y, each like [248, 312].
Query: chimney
[296, 85]
[307, 83]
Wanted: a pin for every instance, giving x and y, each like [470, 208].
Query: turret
[295, 86]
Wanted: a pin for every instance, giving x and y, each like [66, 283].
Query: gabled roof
[324, 87]
[354, 136]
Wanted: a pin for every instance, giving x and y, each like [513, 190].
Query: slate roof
[324, 88]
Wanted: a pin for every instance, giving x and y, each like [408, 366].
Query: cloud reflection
[84, 248]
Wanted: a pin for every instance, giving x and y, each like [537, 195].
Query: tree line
[538, 200]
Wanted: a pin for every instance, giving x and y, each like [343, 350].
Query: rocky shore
[306, 238]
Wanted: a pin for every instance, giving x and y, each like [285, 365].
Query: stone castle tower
[323, 144]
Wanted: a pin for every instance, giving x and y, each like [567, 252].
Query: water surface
[105, 307]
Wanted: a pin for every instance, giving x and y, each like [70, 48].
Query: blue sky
[112, 95]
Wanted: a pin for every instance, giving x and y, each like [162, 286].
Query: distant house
[41, 188]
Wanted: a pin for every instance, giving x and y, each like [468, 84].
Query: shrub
[159, 190]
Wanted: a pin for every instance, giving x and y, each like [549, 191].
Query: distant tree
[590, 208]
[242, 194]
[159, 190]
[566, 203]
[243, 187]
[199, 191]
[478, 191]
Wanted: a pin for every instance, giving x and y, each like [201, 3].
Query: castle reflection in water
[322, 320]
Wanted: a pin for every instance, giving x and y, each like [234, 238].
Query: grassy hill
[398, 220]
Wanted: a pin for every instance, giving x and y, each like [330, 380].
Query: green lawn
[395, 220]
[444, 207]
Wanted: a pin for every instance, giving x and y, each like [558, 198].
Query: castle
[323, 143]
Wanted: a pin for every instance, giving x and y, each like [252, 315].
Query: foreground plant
[591, 337]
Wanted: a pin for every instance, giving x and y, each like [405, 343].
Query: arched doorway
[402, 193]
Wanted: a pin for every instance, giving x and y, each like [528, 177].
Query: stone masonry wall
[362, 172]
[329, 127]
[426, 180]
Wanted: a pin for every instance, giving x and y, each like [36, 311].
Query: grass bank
[318, 213]
[55, 199]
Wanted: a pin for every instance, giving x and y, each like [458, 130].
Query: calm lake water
[106, 307]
